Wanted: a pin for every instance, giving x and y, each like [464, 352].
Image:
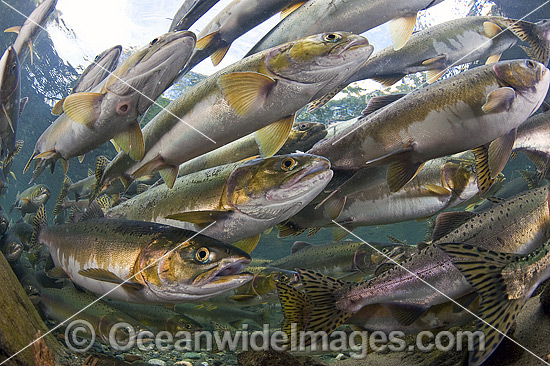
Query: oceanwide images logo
[80, 337]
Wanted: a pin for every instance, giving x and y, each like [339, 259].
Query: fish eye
[288, 164]
[303, 126]
[332, 37]
[530, 64]
[202, 255]
[154, 41]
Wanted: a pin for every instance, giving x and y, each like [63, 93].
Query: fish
[110, 110]
[456, 42]
[4, 222]
[189, 12]
[261, 290]
[521, 219]
[238, 17]
[259, 93]
[337, 258]
[61, 305]
[352, 16]
[463, 112]
[525, 181]
[505, 281]
[31, 199]
[532, 140]
[242, 199]
[141, 262]
[101, 67]
[10, 101]
[31, 28]
[222, 314]
[302, 137]
[157, 317]
[22, 231]
[442, 184]
[404, 291]
[11, 247]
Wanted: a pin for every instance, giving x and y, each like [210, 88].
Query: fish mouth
[225, 275]
[320, 167]
[354, 44]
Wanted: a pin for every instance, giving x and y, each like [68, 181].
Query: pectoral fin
[83, 108]
[491, 29]
[15, 29]
[206, 41]
[401, 30]
[492, 59]
[402, 172]
[434, 60]
[131, 141]
[438, 190]
[499, 152]
[248, 244]
[58, 107]
[198, 217]
[169, 175]
[244, 90]
[388, 80]
[272, 137]
[218, 55]
[406, 314]
[10, 123]
[433, 75]
[499, 100]
[106, 276]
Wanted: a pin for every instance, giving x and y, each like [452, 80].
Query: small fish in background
[31, 199]
[110, 110]
[157, 318]
[354, 16]
[505, 281]
[456, 42]
[189, 12]
[523, 225]
[241, 200]
[237, 18]
[31, 28]
[231, 315]
[11, 247]
[10, 104]
[260, 93]
[60, 304]
[154, 263]
[301, 138]
[22, 231]
[337, 259]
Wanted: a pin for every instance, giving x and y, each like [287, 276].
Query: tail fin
[40, 221]
[321, 291]
[498, 308]
[101, 164]
[534, 35]
[295, 306]
[64, 188]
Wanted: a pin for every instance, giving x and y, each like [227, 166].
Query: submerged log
[19, 321]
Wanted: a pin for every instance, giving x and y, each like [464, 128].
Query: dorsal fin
[376, 103]
[299, 245]
[448, 221]
[93, 211]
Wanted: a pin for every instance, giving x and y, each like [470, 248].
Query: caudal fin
[498, 309]
[40, 221]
